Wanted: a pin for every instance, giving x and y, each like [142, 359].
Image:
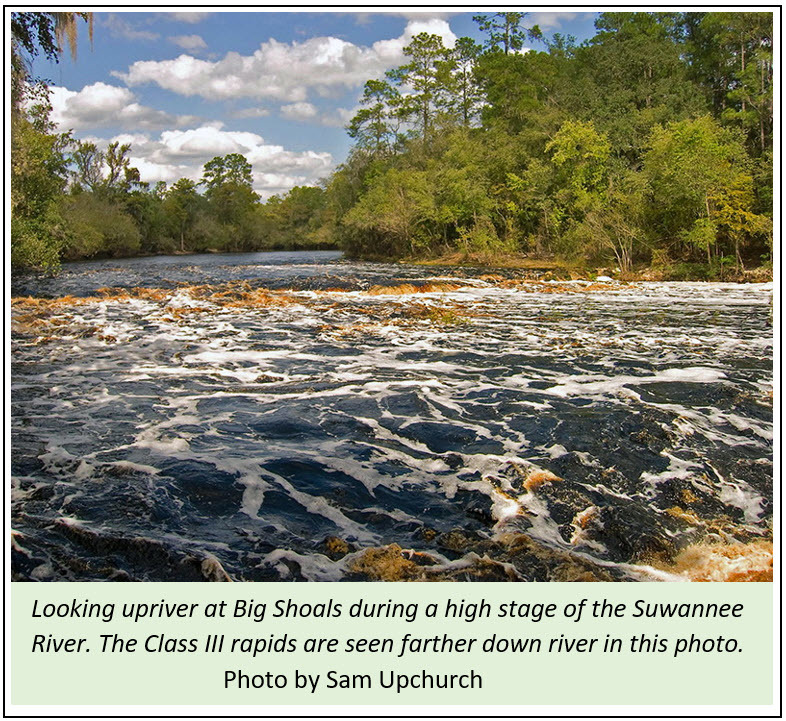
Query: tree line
[649, 144]
[71, 200]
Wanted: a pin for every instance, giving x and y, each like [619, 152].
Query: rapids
[294, 416]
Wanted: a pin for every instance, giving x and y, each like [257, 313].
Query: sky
[277, 87]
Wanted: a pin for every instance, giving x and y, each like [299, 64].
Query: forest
[646, 147]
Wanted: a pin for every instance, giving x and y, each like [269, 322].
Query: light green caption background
[508, 678]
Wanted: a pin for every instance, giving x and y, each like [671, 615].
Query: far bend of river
[294, 416]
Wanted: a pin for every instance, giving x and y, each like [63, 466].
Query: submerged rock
[386, 563]
[509, 557]
[78, 552]
[336, 548]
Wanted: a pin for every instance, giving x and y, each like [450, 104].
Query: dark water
[316, 269]
[491, 430]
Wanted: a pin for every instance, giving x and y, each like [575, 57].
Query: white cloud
[283, 71]
[366, 18]
[120, 28]
[182, 154]
[339, 118]
[549, 21]
[188, 42]
[206, 142]
[189, 17]
[299, 111]
[249, 113]
[101, 105]
[306, 112]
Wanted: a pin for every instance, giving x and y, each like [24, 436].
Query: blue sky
[183, 87]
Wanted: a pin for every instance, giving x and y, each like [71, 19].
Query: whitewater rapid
[299, 418]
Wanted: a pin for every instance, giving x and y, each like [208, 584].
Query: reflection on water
[292, 416]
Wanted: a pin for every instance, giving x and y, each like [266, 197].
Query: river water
[294, 416]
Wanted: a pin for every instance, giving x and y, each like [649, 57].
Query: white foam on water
[740, 494]
[240, 362]
[471, 560]
[314, 567]
[597, 385]
[556, 451]
[134, 467]
[253, 494]
[678, 469]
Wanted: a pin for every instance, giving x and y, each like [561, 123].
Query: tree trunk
[764, 104]
[742, 54]
[709, 245]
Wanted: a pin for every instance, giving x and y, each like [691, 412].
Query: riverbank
[540, 268]
[556, 269]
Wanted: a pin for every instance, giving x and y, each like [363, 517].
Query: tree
[732, 55]
[600, 151]
[38, 163]
[120, 175]
[38, 179]
[505, 31]
[296, 219]
[109, 173]
[375, 126]
[156, 228]
[468, 98]
[36, 32]
[232, 168]
[395, 212]
[617, 220]
[99, 225]
[582, 156]
[89, 162]
[231, 201]
[630, 77]
[700, 174]
[182, 202]
[525, 94]
[428, 75]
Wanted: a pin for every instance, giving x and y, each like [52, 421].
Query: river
[298, 417]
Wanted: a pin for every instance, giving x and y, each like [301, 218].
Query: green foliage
[98, 226]
[88, 161]
[582, 156]
[36, 242]
[38, 178]
[731, 56]
[394, 211]
[468, 97]
[616, 222]
[296, 220]
[505, 32]
[600, 153]
[230, 169]
[156, 227]
[630, 77]
[649, 143]
[702, 187]
[182, 203]
[376, 125]
[534, 110]
[34, 32]
[480, 239]
[429, 74]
